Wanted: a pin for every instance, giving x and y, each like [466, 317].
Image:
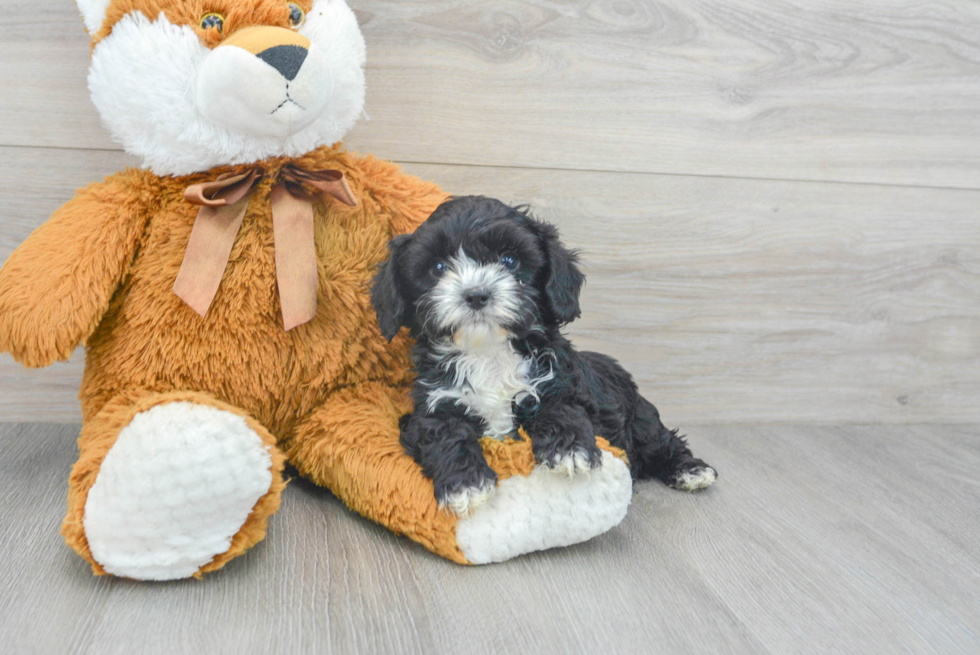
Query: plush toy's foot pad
[177, 485]
[543, 510]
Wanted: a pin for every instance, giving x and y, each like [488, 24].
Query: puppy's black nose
[477, 298]
[287, 59]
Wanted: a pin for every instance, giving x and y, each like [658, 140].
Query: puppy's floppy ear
[563, 280]
[385, 294]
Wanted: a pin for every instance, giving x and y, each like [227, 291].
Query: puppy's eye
[296, 15]
[510, 262]
[212, 19]
[439, 268]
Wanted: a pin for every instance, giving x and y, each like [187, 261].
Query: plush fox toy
[222, 293]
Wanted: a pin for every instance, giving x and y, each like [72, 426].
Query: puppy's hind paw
[464, 500]
[694, 478]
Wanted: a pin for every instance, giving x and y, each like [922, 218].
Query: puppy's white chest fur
[489, 376]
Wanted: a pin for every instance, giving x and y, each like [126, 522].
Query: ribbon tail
[208, 249]
[339, 189]
[296, 270]
[328, 183]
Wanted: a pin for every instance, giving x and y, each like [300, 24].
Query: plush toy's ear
[563, 280]
[93, 13]
[385, 294]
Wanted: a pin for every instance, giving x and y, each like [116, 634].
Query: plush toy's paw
[535, 509]
[692, 476]
[177, 485]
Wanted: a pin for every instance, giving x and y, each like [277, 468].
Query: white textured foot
[544, 510]
[466, 500]
[177, 485]
[698, 478]
[569, 465]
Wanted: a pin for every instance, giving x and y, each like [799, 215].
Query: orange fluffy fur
[189, 12]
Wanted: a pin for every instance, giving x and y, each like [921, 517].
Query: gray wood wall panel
[730, 300]
[881, 91]
[815, 540]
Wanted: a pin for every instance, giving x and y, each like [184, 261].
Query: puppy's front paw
[565, 446]
[693, 476]
[576, 461]
[461, 498]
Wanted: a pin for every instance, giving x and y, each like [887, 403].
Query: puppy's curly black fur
[485, 289]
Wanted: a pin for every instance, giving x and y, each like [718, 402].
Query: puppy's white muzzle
[265, 82]
[472, 293]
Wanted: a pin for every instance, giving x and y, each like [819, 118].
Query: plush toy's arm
[55, 288]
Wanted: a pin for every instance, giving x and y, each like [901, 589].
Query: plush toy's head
[188, 85]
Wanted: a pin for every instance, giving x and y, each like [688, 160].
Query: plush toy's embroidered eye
[510, 262]
[439, 268]
[212, 19]
[296, 15]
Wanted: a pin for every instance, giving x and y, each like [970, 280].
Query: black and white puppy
[485, 289]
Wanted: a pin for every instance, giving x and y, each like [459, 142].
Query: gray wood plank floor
[816, 540]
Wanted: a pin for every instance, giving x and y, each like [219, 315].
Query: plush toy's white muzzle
[264, 81]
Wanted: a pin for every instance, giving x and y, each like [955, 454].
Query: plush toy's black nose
[287, 59]
[477, 298]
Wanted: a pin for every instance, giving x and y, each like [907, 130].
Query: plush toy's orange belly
[239, 351]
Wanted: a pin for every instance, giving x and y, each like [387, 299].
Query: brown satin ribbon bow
[223, 203]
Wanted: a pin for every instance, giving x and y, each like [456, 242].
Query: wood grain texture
[883, 92]
[729, 300]
[815, 540]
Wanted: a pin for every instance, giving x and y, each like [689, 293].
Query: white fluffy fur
[177, 485]
[144, 80]
[490, 374]
[93, 13]
[465, 274]
[543, 511]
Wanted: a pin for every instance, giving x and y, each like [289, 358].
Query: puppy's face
[477, 264]
[467, 273]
